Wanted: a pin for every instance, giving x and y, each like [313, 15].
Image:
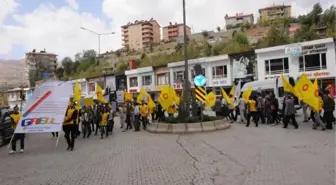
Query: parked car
[6, 130]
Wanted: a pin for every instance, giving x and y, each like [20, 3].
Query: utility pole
[185, 109]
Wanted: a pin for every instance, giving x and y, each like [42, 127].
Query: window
[162, 79]
[276, 66]
[219, 72]
[313, 62]
[178, 76]
[146, 80]
[92, 87]
[133, 82]
[192, 72]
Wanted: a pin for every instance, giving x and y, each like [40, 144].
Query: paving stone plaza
[267, 155]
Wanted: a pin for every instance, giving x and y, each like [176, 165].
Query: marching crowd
[263, 107]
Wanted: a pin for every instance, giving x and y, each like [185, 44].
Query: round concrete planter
[182, 128]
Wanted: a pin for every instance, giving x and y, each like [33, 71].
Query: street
[268, 155]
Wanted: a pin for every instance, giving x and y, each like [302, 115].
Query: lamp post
[98, 34]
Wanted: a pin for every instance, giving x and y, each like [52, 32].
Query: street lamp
[98, 34]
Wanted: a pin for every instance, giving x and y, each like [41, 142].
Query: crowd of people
[264, 107]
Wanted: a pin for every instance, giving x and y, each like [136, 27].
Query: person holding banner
[69, 126]
[15, 117]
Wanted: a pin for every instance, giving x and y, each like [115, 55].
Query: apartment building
[275, 12]
[173, 31]
[141, 34]
[237, 20]
[44, 63]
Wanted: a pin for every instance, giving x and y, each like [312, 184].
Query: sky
[54, 25]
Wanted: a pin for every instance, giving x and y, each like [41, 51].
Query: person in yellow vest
[252, 111]
[144, 114]
[103, 123]
[15, 117]
[69, 126]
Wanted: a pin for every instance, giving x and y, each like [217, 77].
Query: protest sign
[45, 110]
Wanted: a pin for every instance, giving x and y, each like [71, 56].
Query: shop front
[313, 58]
[161, 79]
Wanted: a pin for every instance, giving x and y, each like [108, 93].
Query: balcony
[147, 35]
[125, 39]
[147, 30]
[147, 25]
[125, 34]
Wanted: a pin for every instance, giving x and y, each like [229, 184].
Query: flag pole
[10, 142]
[57, 139]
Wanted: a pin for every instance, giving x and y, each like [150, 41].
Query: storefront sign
[178, 86]
[243, 65]
[317, 74]
[293, 51]
[158, 87]
[133, 90]
[313, 49]
[219, 82]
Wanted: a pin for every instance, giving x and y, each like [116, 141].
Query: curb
[189, 128]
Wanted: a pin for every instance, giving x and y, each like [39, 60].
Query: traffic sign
[199, 80]
[200, 93]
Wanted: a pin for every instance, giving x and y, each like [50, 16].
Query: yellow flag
[312, 97]
[88, 101]
[141, 95]
[289, 88]
[210, 99]
[232, 91]
[308, 91]
[99, 93]
[246, 95]
[225, 96]
[77, 95]
[128, 96]
[165, 98]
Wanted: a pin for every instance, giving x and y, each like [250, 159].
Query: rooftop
[40, 53]
[139, 22]
[238, 16]
[274, 6]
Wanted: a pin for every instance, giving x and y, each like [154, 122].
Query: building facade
[141, 34]
[313, 58]
[173, 31]
[216, 69]
[237, 20]
[43, 63]
[162, 78]
[82, 84]
[275, 12]
[140, 78]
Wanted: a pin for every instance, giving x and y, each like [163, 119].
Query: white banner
[45, 110]
[110, 82]
[120, 96]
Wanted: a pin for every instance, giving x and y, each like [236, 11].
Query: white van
[270, 85]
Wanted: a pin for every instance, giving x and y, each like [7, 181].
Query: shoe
[323, 129]
[68, 148]
[71, 149]
[101, 137]
[124, 131]
[12, 152]
[21, 150]
[314, 128]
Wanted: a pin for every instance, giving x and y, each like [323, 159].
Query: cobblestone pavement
[238, 156]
